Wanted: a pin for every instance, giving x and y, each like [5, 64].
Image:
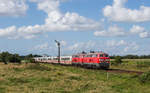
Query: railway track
[124, 71]
[107, 70]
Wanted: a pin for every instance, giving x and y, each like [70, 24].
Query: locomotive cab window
[105, 55]
[101, 55]
[94, 55]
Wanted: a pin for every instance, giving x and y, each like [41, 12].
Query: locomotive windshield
[105, 55]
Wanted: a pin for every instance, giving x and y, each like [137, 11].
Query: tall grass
[47, 78]
[143, 64]
[38, 67]
[145, 78]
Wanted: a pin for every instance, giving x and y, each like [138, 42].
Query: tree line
[7, 57]
[132, 56]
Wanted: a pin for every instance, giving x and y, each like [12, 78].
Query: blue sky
[117, 27]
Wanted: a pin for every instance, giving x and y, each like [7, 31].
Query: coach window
[65, 58]
[89, 56]
[55, 58]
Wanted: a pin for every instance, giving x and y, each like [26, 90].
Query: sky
[117, 27]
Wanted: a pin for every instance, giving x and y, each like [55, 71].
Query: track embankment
[124, 71]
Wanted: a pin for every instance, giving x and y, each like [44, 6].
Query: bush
[145, 77]
[4, 57]
[118, 60]
[14, 58]
[7, 57]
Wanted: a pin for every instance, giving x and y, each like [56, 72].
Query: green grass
[133, 64]
[47, 78]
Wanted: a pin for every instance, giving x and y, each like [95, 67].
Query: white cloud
[139, 30]
[56, 21]
[144, 35]
[13, 7]
[44, 46]
[118, 12]
[131, 47]
[111, 46]
[122, 47]
[8, 32]
[114, 43]
[122, 42]
[29, 32]
[22, 32]
[82, 46]
[112, 31]
[69, 21]
[63, 43]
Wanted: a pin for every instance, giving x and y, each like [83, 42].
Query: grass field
[133, 64]
[47, 78]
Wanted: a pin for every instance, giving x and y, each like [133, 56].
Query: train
[89, 60]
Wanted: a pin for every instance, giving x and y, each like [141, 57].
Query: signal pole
[58, 44]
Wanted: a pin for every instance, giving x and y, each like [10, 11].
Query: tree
[15, 58]
[29, 58]
[5, 57]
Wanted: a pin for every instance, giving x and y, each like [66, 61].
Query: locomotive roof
[98, 53]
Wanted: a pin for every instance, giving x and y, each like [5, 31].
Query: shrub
[145, 77]
[7, 57]
[118, 60]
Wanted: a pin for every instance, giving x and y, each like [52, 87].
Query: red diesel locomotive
[92, 60]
